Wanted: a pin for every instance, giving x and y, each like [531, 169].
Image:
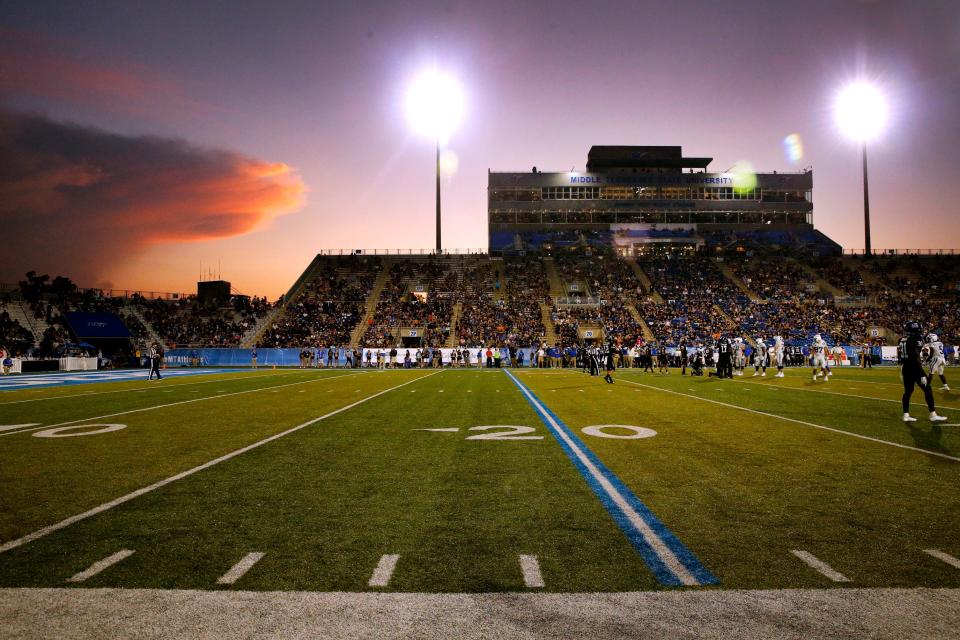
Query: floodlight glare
[434, 104]
[861, 111]
[434, 108]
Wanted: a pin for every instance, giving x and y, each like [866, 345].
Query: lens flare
[861, 111]
[744, 177]
[434, 104]
[793, 148]
[449, 163]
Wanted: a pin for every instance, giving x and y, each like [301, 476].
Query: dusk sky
[138, 139]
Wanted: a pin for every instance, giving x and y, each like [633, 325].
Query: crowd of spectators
[773, 277]
[500, 302]
[329, 306]
[419, 295]
[509, 315]
[14, 338]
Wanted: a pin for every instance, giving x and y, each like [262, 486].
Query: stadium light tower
[434, 108]
[861, 112]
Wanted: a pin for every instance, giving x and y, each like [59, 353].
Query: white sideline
[238, 570]
[86, 394]
[532, 577]
[945, 557]
[794, 420]
[30, 537]
[712, 614]
[100, 565]
[220, 394]
[384, 571]
[770, 385]
[820, 566]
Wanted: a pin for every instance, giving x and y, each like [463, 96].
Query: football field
[479, 482]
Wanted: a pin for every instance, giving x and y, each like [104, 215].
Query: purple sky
[252, 87]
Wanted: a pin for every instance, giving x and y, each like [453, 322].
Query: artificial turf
[740, 489]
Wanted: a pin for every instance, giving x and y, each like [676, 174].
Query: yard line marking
[236, 571]
[794, 420]
[10, 427]
[384, 571]
[820, 566]
[769, 385]
[185, 384]
[670, 561]
[532, 578]
[444, 430]
[100, 565]
[946, 557]
[30, 537]
[179, 402]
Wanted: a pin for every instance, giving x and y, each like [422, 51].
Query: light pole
[434, 108]
[439, 247]
[866, 203]
[861, 112]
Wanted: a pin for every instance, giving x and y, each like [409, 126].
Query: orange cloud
[81, 200]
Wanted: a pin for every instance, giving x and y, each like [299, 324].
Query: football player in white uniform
[760, 357]
[778, 355]
[739, 358]
[818, 352]
[935, 359]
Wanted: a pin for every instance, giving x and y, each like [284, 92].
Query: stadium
[662, 401]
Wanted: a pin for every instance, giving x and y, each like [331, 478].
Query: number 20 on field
[519, 432]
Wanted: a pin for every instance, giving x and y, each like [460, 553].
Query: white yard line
[154, 387]
[771, 385]
[30, 537]
[238, 570]
[795, 421]
[532, 578]
[820, 566]
[100, 565]
[220, 394]
[659, 547]
[945, 557]
[384, 571]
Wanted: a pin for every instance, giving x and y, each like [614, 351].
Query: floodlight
[861, 111]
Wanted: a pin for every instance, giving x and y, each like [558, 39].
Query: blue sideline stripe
[663, 573]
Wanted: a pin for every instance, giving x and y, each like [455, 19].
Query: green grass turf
[324, 503]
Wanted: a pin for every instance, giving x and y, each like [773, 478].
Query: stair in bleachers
[740, 284]
[644, 327]
[822, 284]
[253, 335]
[869, 277]
[20, 311]
[553, 278]
[454, 321]
[135, 312]
[550, 331]
[645, 281]
[356, 336]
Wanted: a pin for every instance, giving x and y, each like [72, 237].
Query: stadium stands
[483, 300]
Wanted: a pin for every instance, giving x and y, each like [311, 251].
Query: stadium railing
[903, 252]
[403, 252]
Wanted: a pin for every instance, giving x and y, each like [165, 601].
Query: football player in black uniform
[724, 358]
[912, 372]
[610, 353]
[684, 357]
